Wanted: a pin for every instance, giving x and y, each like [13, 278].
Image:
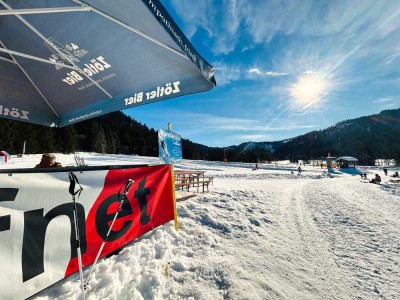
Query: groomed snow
[264, 234]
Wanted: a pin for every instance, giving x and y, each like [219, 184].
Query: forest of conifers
[367, 138]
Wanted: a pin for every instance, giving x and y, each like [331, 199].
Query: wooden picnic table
[185, 172]
[187, 178]
[189, 174]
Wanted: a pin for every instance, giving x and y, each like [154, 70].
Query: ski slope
[264, 234]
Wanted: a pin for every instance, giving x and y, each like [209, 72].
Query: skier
[299, 170]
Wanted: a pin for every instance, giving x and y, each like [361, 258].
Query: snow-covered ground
[264, 234]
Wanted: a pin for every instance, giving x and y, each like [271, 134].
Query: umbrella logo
[58, 50]
[66, 54]
[75, 50]
[54, 58]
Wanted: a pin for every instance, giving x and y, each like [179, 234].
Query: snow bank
[264, 234]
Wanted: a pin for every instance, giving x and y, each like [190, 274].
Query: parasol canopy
[65, 61]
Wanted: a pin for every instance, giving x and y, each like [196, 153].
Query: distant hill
[366, 138]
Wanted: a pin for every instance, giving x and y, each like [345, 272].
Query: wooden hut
[347, 162]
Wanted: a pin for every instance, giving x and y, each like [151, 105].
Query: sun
[308, 89]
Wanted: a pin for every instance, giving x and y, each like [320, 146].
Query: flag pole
[23, 151]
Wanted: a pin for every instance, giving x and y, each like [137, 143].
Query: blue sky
[283, 68]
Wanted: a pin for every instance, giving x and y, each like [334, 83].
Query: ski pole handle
[127, 186]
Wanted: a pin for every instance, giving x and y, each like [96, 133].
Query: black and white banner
[37, 233]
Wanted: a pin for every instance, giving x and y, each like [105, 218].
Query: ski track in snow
[363, 231]
[265, 234]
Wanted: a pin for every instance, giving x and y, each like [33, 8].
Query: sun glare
[308, 89]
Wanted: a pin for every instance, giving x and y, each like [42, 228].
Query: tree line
[366, 138]
[112, 133]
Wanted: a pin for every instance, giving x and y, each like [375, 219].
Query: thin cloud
[257, 71]
[387, 103]
[291, 126]
[389, 106]
[392, 58]
[304, 113]
[195, 15]
[254, 137]
[230, 22]
[383, 100]
[226, 74]
[218, 123]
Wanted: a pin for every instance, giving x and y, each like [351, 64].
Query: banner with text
[37, 232]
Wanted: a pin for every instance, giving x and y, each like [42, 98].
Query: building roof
[347, 158]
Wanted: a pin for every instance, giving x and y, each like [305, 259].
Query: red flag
[150, 204]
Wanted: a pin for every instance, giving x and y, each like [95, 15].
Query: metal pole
[78, 240]
[122, 199]
[73, 181]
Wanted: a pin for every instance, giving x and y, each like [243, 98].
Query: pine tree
[70, 139]
[111, 141]
[396, 154]
[99, 138]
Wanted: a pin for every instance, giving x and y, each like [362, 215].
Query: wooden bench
[187, 178]
[210, 179]
[203, 183]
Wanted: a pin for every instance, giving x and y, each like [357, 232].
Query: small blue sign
[169, 146]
